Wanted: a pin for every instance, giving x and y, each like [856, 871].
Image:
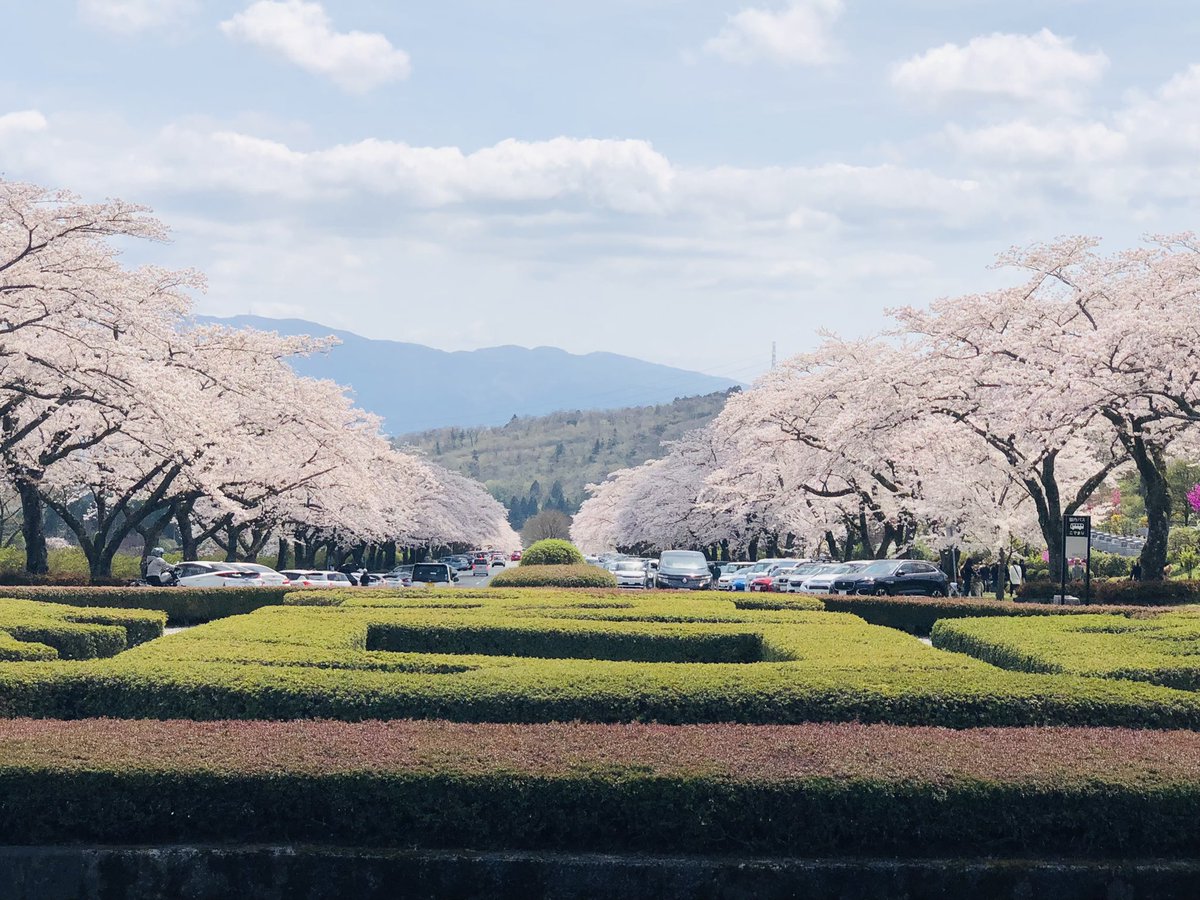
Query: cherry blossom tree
[73, 325]
[1085, 364]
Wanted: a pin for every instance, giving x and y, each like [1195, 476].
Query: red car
[761, 583]
[516, 556]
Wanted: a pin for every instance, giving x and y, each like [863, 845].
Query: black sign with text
[1079, 526]
[1077, 553]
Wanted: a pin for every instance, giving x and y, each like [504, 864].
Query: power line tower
[772, 354]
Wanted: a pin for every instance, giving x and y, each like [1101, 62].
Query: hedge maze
[545, 655]
[599, 720]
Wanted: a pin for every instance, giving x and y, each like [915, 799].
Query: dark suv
[687, 569]
[894, 576]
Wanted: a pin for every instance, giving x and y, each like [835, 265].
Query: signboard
[1077, 553]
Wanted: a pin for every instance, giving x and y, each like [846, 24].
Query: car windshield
[886, 567]
[837, 569]
[684, 559]
[630, 567]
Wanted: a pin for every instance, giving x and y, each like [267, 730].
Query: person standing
[1015, 578]
[1136, 572]
[968, 578]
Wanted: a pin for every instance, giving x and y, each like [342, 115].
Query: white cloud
[799, 34]
[1166, 125]
[1041, 69]
[131, 16]
[1023, 142]
[24, 121]
[303, 33]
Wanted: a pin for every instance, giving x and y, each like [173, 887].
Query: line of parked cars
[800, 576]
[205, 574]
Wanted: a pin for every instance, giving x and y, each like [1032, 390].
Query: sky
[685, 181]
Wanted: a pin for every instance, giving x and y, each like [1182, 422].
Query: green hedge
[1117, 592]
[30, 629]
[183, 606]
[812, 790]
[313, 662]
[14, 650]
[917, 615]
[1162, 650]
[572, 576]
[552, 552]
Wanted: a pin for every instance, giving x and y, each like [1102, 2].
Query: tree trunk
[151, 533]
[389, 555]
[753, 553]
[1152, 469]
[188, 545]
[33, 528]
[281, 557]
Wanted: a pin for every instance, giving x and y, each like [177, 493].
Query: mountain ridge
[414, 387]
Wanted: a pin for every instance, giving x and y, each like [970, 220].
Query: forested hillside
[544, 462]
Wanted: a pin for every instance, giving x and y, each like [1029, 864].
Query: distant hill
[570, 449]
[414, 387]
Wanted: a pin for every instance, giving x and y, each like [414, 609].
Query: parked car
[269, 576]
[516, 556]
[317, 578]
[783, 574]
[822, 581]
[201, 573]
[728, 571]
[634, 573]
[683, 569]
[459, 563]
[401, 576]
[895, 576]
[797, 576]
[768, 580]
[762, 567]
[434, 573]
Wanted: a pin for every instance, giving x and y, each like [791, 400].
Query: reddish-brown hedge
[811, 789]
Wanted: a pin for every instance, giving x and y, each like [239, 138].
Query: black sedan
[895, 576]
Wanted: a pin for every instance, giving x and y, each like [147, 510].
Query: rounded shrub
[552, 552]
[556, 576]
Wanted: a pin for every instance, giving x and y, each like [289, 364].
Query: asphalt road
[468, 579]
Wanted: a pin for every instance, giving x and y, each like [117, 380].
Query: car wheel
[941, 592]
[881, 592]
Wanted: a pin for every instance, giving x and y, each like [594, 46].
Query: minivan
[683, 569]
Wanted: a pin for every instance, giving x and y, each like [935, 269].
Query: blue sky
[680, 181]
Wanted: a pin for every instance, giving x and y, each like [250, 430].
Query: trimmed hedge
[313, 662]
[917, 615]
[32, 630]
[552, 552]
[183, 606]
[1162, 650]
[818, 790]
[1117, 592]
[572, 576]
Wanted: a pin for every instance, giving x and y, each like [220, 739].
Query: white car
[200, 573]
[797, 577]
[633, 573]
[725, 579]
[269, 576]
[783, 574]
[316, 578]
[823, 580]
